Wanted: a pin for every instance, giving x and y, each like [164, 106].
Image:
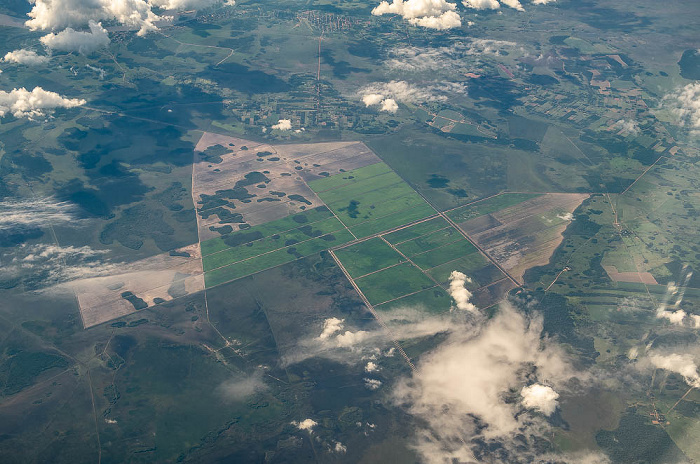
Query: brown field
[288, 168]
[162, 276]
[524, 235]
[635, 277]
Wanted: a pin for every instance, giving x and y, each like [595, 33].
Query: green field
[393, 282]
[368, 256]
[274, 258]
[381, 267]
[277, 242]
[434, 300]
[371, 199]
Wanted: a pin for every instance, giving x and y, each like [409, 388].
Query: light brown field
[162, 276]
[288, 169]
[636, 277]
[525, 235]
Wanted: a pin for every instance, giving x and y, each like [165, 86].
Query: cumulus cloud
[283, 125]
[239, 389]
[456, 58]
[330, 327]
[385, 104]
[352, 346]
[340, 448]
[306, 424]
[540, 397]
[495, 4]
[389, 105]
[38, 103]
[627, 127]
[23, 56]
[515, 4]
[188, 4]
[670, 311]
[371, 367]
[388, 94]
[682, 364]
[684, 103]
[432, 14]
[70, 40]
[373, 384]
[372, 99]
[470, 378]
[60, 14]
[459, 293]
[482, 4]
[350, 339]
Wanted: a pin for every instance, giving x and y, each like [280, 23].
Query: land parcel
[240, 183]
[410, 266]
[518, 231]
[371, 199]
[139, 285]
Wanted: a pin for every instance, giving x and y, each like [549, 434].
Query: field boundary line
[374, 312]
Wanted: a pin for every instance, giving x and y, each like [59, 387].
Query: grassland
[371, 199]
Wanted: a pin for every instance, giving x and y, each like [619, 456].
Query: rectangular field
[411, 267]
[268, 245]
[371, 199]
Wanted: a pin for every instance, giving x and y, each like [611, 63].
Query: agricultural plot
[139, 285]
[277, 242]
[239, 182]
[411, 267]
[518, 231]
[371, 199]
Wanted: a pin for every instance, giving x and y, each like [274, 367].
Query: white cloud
[389, 105]
[306, 424]
[402, 91]
[494, 4]
[187, 4]
[459, 293]
[59, 14]
[38, 103]
[40, 212]
[685, 105]
[350, 339]
[515, 4]
[457, 58]
[674, 317]
[372, 99]
[340, 448]
[482, 4]
[627, 127]
[239, 389]
[432, 14]
[356, 346]
[283, 125]
[682, 364]
[330, 327]
[471, 375]
[23, 56]
[371, 367]
[677, 317]
[540, 397]
[373, 384]
[70, 40]
[54, 264]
